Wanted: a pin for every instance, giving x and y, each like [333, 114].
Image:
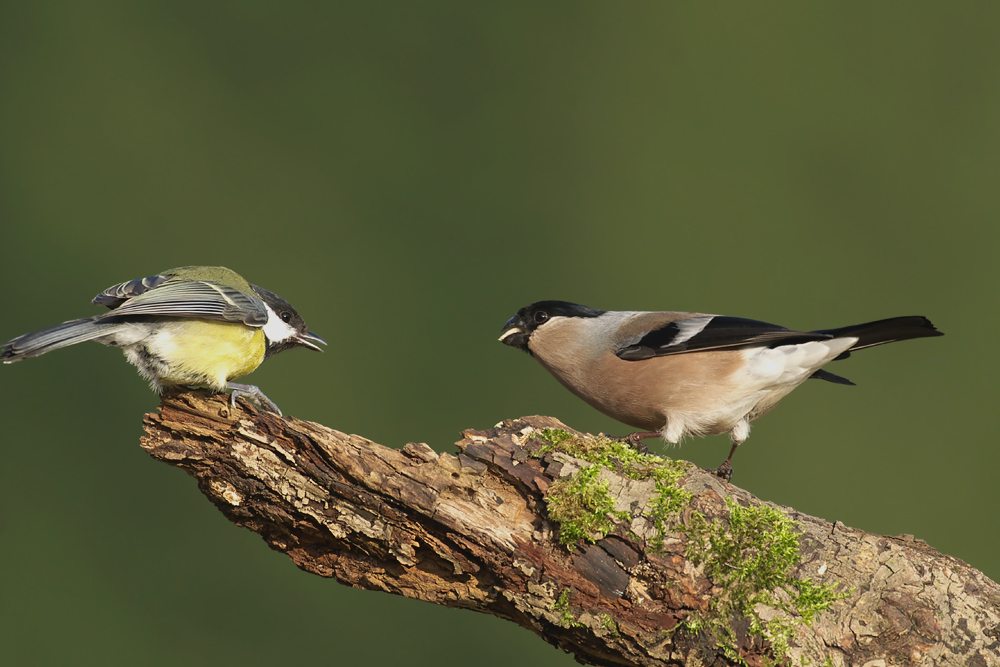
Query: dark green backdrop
[408, 175]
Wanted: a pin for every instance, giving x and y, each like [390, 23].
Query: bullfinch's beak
[514, 333]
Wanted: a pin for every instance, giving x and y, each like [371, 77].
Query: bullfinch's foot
[635, 440]
[253, 395]
[724, 472]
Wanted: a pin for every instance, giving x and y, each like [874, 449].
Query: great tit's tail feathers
[39, 342]
[881, 332]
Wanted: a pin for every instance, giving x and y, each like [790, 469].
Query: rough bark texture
[473, 530]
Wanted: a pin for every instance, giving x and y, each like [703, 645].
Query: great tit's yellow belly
[198, 352]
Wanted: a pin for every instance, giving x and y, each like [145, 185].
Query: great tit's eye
[286, 316]
[541, 316]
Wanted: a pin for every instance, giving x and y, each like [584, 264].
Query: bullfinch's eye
[541, 316]
[286, 316]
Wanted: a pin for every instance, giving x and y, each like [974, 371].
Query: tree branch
[666, 564]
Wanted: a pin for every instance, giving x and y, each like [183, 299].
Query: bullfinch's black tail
[68, 333]
[884, 331]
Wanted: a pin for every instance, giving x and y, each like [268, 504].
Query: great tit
[674, 374]
[189, 326]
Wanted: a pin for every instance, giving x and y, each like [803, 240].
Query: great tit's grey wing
[189, 298]
[122, 292]
[710, 332]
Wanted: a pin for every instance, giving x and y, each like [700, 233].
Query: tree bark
[476, 530]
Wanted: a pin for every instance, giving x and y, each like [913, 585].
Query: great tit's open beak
[309, 339]
[514, 334]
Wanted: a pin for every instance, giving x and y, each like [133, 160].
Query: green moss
[609, 624]
[582, 504]
[561, 606]
[750, 557]
[751, 560]
[669, 501]
[554, 436]
[583, 507]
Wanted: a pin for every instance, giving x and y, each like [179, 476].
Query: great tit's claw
[254, 395]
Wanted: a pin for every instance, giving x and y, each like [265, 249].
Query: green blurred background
[409, 175]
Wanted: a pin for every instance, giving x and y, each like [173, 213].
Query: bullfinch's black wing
[712, 332]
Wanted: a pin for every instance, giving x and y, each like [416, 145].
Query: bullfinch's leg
[635, 440]
[725, 471]
[740, 432]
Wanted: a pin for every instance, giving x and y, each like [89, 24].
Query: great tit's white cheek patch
[276, 330]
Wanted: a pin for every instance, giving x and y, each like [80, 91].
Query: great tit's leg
[254, 395]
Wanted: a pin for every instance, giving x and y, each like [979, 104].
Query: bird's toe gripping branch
[254, 395]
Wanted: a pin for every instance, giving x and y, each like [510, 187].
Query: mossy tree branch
[664, 565]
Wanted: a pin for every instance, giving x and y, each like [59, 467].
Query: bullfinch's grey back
[674, 374]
